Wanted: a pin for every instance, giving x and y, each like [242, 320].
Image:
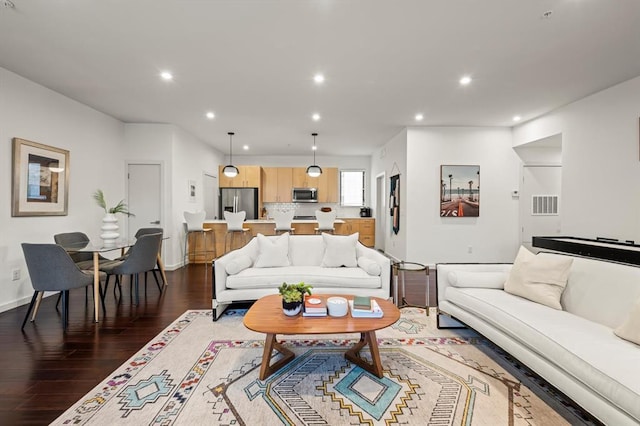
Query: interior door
[210, 196]
[539, 212]
[144, 196]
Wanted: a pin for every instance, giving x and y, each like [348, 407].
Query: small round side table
[399, 271]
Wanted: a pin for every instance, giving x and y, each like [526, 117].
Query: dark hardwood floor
[43, 370]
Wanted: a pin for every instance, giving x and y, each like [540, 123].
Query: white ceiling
[252, 62]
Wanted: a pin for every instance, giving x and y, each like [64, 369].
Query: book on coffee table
[314, 306]
[374, 312]
[362, 302]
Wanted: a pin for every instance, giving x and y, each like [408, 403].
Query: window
[352, 188]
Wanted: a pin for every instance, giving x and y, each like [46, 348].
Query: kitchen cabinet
[326, 183]
[248, 177]
[365, 226]
[276, 184]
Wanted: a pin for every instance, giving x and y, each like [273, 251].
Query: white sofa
[305, 255]
[575, 349]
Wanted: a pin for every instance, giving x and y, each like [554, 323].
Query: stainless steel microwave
[305, 195]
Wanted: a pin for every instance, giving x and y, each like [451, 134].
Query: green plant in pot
[293, 296]
[110, 222]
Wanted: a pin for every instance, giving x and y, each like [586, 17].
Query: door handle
[155, 222]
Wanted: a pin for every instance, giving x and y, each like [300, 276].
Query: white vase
[109, 229]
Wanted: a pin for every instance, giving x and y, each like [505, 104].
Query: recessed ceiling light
[210, 115]
[465, 80]
[166, 76]
[517, 118]
[419, 117]
[315, 117]
[245, 147]
[318, 78]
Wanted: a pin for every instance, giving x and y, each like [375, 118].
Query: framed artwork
[192, 191]
[40, 180]
[394, 203]
[459, 191]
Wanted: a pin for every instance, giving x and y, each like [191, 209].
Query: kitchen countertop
[266, 221]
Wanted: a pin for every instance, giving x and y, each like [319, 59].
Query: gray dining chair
[146, 231]
[51, 268]
[142, 257]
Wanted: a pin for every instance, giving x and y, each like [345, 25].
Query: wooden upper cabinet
[276, 184]
[328, 185]
[302, 180]
[248, 177]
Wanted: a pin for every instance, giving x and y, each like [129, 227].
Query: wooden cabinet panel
[302, 180]
[276, 184]
[366, 227]
[328, 185]
[248, 177]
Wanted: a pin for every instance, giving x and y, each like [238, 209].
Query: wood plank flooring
[43, 371]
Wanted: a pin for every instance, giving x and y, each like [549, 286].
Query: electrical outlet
[469, 249]
[15, 274]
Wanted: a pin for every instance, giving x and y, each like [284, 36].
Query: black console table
[606, 249]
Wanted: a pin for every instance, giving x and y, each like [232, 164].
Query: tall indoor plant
[110, 222]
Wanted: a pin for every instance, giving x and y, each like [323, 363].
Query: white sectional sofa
[575, 348]
[241, 275]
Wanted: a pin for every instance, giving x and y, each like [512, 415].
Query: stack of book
[314, 307]
[365, 307]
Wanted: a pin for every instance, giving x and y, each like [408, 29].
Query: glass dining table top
[98, 246]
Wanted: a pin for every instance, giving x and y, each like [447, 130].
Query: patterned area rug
[202, 372]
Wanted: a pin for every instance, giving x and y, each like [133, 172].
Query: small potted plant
[293, 296]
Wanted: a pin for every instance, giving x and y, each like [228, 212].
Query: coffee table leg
[353, 354]
[270, 344]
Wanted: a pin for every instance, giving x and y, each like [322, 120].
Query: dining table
[97, 248]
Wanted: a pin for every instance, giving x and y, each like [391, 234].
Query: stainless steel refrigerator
[239, 199]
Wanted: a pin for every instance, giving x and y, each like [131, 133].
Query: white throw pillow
[272, 252]
[539, 279]
[478, 279]
[630, 329]
[371, 267]
[238, 264]
[340, 250]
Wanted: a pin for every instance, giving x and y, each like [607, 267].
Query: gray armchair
[52, 269]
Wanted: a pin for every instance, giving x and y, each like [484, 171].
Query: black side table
[399, 271]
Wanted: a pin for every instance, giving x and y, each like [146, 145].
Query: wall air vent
[544, 205]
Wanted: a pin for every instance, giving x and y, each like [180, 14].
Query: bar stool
[325, 221]
[193, 224]
[234, 227]
[283, 221]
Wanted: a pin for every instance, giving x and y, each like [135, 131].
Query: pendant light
[314, 170]
[230, 170]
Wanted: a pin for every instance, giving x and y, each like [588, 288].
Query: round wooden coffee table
[266, 316]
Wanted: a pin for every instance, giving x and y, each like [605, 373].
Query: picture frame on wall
[192, 191]
[459, 191]
[40, 179]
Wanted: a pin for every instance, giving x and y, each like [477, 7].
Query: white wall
[391, 159]
[95, 141]
[600, 161]
[183, 158]
[493, 236]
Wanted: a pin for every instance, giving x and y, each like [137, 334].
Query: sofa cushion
[272, 252]
[478, 279]
[371, 267]
[630, 329]
[340, 250]
[316, 276]
[306, 250]
[237, 264]
[586, 350]
[539, 279]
